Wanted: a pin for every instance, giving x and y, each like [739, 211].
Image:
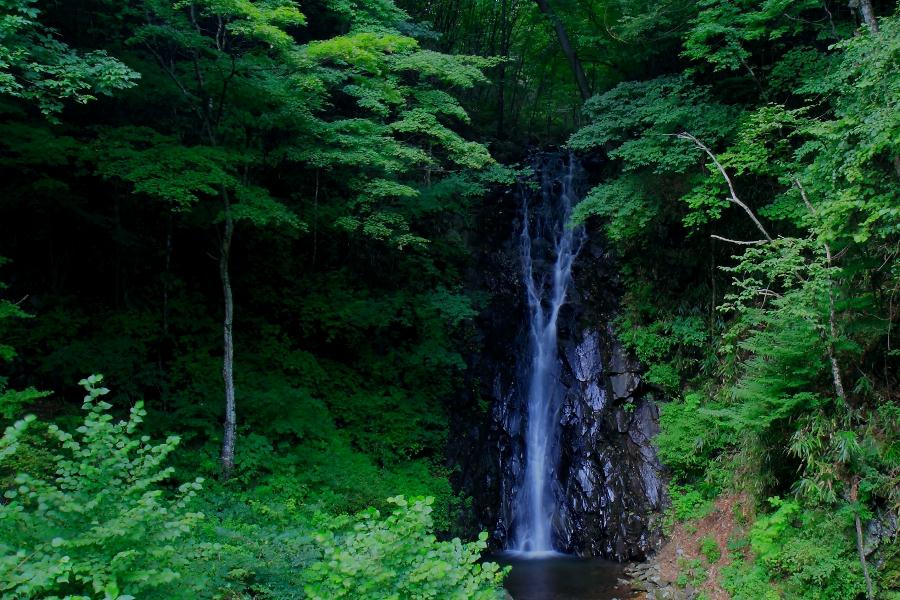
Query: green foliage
[688, 503]
[398, 557]
[810, 552]
[690, 572]
[799, 553]
[638, 117]
[852, 158]
[99, 525]
[667, 345]
[785, 339]
[709, 548]
[780, 336]
[252, 544]
[689, 438]
[347, 142]
[37, 67]
[746, 580]
[723, 29]
[12, 401]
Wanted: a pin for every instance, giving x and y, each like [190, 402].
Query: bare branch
[803, 195]
[740, 242]
[733, 198]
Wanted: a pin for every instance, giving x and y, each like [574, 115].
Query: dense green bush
[809, 553]
[398, 557]
[252, 544]
[271, 543]
[689, 438]
[99, 525]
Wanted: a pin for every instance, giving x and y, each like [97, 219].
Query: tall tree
[255, 106]
[568, 49]
[867, 13]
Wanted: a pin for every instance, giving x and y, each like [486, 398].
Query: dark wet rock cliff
[608, 481]
[612, 491]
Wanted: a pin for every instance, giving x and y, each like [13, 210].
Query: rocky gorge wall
[608, 482]
[612, 492]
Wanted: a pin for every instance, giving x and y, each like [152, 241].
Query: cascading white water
[547, 280]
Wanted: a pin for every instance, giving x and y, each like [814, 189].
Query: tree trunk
[501, 78]
[832, 326]
[228, 437]
[867, 12]
[841, 393]
[854, 487]
[832, 316]
[865, 7]
[567, 49]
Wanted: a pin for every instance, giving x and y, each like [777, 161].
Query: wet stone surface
[610, 475]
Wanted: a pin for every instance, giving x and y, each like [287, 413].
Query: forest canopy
[240, 307]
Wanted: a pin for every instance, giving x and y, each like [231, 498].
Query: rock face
[608, 480]
[612, 493]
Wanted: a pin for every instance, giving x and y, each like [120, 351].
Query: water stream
[580, 478]
[548, 249]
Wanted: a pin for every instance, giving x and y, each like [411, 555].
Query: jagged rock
[620, 361]
[884, 528]
[610, 478]
[624, 385]
[585, 359]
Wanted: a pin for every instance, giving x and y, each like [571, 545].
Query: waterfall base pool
[563, 577]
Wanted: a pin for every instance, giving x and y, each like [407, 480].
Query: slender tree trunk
[501, 78]
[567, 49]
[868, 15]
[854, 489]
[832, 326]
[832, 316]
[841, 393]
[228, 437]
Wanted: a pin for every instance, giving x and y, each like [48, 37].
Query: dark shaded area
[562, 578]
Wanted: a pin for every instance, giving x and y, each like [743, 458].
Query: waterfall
[548, 248]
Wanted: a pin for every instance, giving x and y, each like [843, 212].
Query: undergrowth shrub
[397, 556]
[98, 526]
[809, 553]
[709, 548]
[252, 544]
[688, 503]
